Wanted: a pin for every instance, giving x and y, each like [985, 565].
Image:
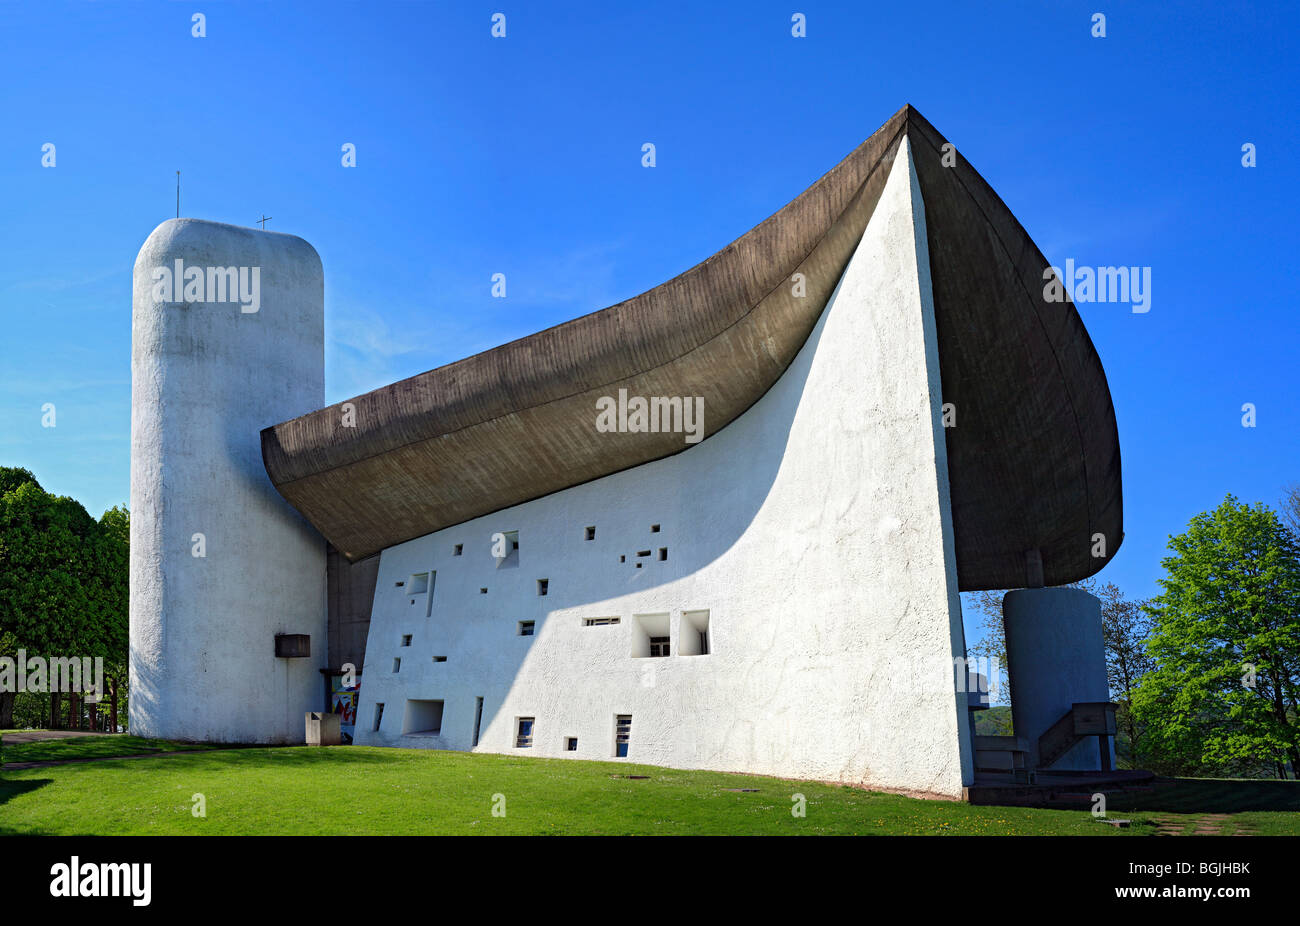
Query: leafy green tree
[111, 620]
[1125, 628]
[63, 578]
[11, 477]
[1226, 644]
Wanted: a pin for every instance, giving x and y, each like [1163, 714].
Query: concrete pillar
[1055, 658]
[220, 563]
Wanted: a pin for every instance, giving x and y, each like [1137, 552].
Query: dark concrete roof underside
[1033, 461]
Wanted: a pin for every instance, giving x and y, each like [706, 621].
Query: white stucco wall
[815, 530]
[206, 377]
[1056, 657]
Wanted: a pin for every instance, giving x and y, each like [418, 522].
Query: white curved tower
[227, 338]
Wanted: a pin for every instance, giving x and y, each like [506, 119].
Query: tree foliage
[1222, 697]
[63, 576]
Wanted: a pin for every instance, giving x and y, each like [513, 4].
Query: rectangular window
[422, 718]
[458, 549]
[379, 714]
[524, 733]
[599, 621]
[439, 658]
[663, 554]
[693, 634]
[571, 744]
[506, 550]
[397, 664]
[591, 533]
[419, 584]
[406, 639]
[543, 585]
[527, 628]
[428, 601]
[649, 635]
[478, 719]
[654, 528]
[622, 734]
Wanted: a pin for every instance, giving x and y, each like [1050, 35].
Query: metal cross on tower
[264, 219]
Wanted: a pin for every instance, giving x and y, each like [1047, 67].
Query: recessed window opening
[379, 714]
[524, 733]
[422, 718]
[643, 553]
[458, 549]
[543, 586]
[650, 634]
[654, 528]
[506, 550]
[482, 591]
[622, 734]
[599, 621]
[419, 584]
[428, 602]
[693, 634]
[397, 664]
[478, 720]
[570, 744]
[406, 639]
[527, 628]
[591, 533]
[663, 554]
[439, 658]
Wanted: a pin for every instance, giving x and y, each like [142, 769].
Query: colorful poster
[343, 701]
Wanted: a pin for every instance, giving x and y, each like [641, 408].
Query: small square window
[482, 591]
[524, 733]
[543, 585]
[527, 628]
[458, 549]
[571, 744]
[654, 528]
[591, 533]
[406, 639]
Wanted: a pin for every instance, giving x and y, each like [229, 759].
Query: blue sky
[522, 155]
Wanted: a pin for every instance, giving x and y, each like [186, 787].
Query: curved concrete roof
[1033, 462]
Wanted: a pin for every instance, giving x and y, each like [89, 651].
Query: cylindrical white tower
[1055, 658]
[227, 338]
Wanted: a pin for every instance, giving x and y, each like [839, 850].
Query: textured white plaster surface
[815, 530]
[205, 379]
[1055, 658]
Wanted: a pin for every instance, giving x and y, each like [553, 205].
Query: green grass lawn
[87, 747]
[361, 790]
